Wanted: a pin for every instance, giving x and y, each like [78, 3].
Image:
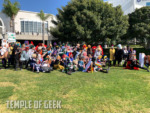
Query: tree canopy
[90, 21]
[10, 9]
[140, 24]
[43, 16]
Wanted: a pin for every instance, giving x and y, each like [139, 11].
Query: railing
[34, 34]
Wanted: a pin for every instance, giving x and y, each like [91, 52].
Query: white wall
[129, 6]
[6, 21]
[141, 3]
[29, 16]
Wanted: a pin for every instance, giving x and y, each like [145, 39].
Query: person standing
[112, 55]
[118, 54]
[89, 50]
[16, 53]
[30, 53]
[125, 55]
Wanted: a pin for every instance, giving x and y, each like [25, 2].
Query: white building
[129, 6]
[28, 26]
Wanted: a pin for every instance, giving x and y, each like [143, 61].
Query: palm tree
[43, 17]
[11, 10]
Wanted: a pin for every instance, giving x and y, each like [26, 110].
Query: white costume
[141, 59]
[4, 47]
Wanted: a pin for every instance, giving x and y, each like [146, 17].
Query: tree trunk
[13, 24]
[43, 31]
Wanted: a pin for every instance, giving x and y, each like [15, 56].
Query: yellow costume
[112, 54]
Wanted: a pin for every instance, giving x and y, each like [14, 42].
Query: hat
[105, 57]
[26, 48]
[31, 46]
[119, 46]
[55, 43]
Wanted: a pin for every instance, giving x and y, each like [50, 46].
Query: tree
[43, 17]
[90, 21]
[11, 10]
[140, 25]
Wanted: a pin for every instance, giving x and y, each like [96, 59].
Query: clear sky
[48, 6]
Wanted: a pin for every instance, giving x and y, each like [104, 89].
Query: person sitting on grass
[67, 64]
[45, 67]
[57, 64]
[37, 66]
[80, 64]
[100, 63]
[33, 60]
[133, 63]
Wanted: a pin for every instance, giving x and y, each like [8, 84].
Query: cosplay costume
[147, 61]
[93, 50]
[10, 59]
[89, 50]
[125, 56]
[141, 59]
[33, 61]
[37, 67]
[16, 54]
[112, 55]
[88, 66]
[45, 67]
[57, 64]
[22, 59]
[80, 65]
[133, 64]
[69, 66]
[4, 47]
[100, 63]
[119, 54]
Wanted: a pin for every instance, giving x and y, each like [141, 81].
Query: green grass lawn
[119, 91]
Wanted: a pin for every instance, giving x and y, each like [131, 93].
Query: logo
[138, 0]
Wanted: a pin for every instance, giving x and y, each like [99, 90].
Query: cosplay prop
[11, 37]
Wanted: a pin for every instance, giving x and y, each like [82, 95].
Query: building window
[46, 27]
[39, 27]
[26, 26]
[33, 27]
[22, 26]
